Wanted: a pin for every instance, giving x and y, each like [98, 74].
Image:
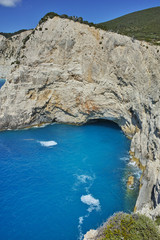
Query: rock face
[69, 72]
[91, 235]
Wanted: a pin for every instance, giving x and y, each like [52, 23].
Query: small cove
[59, 181]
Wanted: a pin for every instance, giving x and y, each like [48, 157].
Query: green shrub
[17, 62]
[143, 25]
[65, 16]
[26, 39]
[129, 227]
[47, 16]
[158, 220]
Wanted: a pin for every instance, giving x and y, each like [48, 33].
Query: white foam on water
[84, 178]
[138, 174]
[41, 126]
[135, 169]
[132, 163]
[93, 203]
[124, 158]
[80, 228]
[81, 220]
[86, 181]
[48, 143]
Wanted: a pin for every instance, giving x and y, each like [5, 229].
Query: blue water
[58, 192]
[2, 82]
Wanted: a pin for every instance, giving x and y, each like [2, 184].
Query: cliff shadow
[104, 122]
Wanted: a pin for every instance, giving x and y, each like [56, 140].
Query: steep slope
[69, 72]
[143, 25]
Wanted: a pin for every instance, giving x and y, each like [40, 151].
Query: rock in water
[90, 235]
[69, 72]
[130, 182]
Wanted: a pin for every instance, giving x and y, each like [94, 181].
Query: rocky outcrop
[125, 226]
[10, 52]
[69, 72]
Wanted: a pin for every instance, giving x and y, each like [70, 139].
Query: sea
[2, 81]
[59, 181]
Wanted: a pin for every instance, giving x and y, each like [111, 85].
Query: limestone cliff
[69, 72]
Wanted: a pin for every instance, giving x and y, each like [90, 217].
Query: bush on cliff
[51, 15]
[47, 16]
[9, 35]
[129, 227]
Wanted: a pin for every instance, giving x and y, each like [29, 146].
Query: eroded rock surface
[69, 72]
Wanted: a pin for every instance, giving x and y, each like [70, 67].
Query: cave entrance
[105, 122]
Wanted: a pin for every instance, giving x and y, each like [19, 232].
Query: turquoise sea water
[59, 181]
[2, 81]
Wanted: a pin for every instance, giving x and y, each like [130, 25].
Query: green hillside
[142, 25]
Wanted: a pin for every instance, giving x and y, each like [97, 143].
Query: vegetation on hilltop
[73, 18]
[49, 15]
[129, 227]
[142, 25]
[9, 35]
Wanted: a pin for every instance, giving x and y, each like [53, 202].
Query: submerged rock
[130, 182]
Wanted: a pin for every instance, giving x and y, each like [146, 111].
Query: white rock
[90, 235]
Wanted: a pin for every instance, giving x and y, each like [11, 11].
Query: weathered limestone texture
[69, 72]
[91, 235]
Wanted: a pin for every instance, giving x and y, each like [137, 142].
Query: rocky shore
[68, 72]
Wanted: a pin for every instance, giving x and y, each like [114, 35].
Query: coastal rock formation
[125, 226]
[64, 71]
[130, 182]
